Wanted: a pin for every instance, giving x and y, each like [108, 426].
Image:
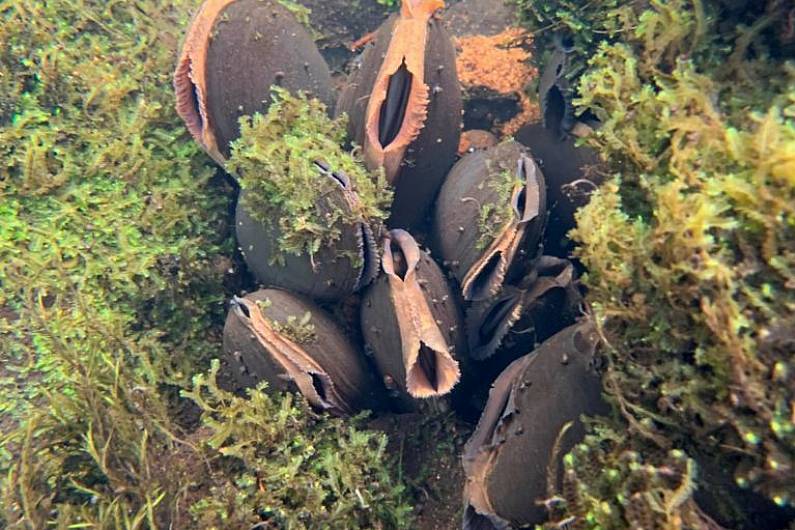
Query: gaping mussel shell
[544, 302]
[286, 340]
[411, 321]
[554, 93]
[405, 107]
[335, 271]
[489, 217]
[234, 51]
[518, 445]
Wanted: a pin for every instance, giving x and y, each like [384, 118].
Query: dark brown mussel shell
[411, 322]
[514, 458]
[572, 173]
[554, 93]
[234, 51]
[286, 340]
[404, 104]
[480, 254]
[546, 301]
[335, 271]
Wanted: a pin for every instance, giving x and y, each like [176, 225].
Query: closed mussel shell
[286, 340]
[335, 270]
[404, 103]
[489, 218]
[514, 458]
[572, 173]
[543, 303]
[411, 322]
[234, 51]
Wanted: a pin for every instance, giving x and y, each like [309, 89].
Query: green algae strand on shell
[307, 209]
[234, 51]
[405, 106]
[334, 271]
[489, 217]
[286, 340]
[530, 422]
[412, 323]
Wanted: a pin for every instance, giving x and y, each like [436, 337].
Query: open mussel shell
[554, 93]
[333, 272]
[286, 340]
[234, 51]
[513, 461]
[572, 173]
[489, 218]
[404, 104]
[411, 322]
[546, 301]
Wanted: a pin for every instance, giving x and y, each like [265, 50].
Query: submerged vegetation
[276, 158]
[690, 247]
[113, 239]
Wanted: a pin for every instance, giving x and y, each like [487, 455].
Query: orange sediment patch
[475, 139]
[501, 63]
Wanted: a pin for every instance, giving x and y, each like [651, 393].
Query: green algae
[274, 159]
[301, 470]
[298, 329]
[113, 237]
[494, 215]
[690, 247]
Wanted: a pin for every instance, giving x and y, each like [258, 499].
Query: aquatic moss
[113, 237]
[301, 470]
[299, 329]
[494, 215]
[690, 248]
[275, 160]
[644, 494]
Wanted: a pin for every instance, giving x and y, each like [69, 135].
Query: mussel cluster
[449, 289]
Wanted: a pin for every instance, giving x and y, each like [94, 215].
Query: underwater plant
[113, 271]
[690, 249]
[309, 211]
[286, 467]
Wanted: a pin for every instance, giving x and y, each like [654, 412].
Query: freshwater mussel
[412, 323]
[513, 461]
[489, 218]
[289, 342]
[234, 51]
[404, 104]
[572, 172]
[542, 303]
[331, 271]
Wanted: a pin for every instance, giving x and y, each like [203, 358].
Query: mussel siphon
[411, 321]
[404, 104]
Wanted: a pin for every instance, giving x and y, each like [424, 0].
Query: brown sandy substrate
[428, 452]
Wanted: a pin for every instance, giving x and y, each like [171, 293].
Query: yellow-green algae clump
[113, 237]
[690, 250]
[275, 159]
